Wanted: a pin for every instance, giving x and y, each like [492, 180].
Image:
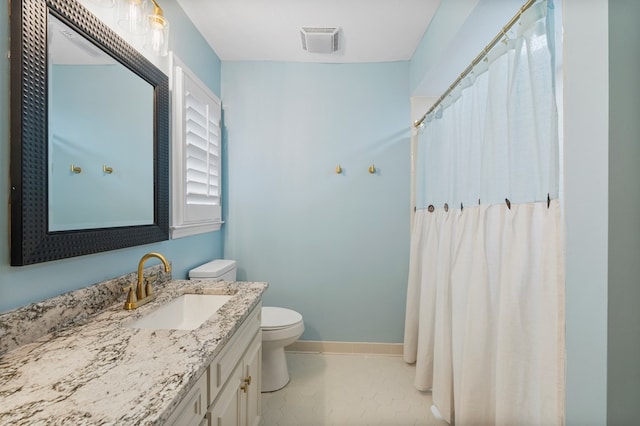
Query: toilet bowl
[280, 327]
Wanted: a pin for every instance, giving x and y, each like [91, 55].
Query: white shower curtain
[485, 302]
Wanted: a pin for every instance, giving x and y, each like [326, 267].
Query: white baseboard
[315, 346]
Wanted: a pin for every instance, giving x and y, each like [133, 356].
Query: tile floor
[348, 390]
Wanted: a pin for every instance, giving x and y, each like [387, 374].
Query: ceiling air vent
[319, 40]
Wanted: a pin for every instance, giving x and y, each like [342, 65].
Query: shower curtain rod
[477, 60]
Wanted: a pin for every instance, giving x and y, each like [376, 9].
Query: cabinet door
[253, 369]
[222, 367]
[191, 410]
[227, 411]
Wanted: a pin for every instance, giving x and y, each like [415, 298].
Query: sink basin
[187, 312]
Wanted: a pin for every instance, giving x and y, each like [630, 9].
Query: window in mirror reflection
[101, 121]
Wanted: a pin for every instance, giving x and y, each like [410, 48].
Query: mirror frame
[31, 240]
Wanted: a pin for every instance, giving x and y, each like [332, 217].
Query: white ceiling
[269, 30]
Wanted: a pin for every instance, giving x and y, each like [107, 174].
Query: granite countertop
[99, 371]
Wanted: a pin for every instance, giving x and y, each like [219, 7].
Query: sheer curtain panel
[485, 303]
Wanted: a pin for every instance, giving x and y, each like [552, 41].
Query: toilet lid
[274, 318]
[214, 269]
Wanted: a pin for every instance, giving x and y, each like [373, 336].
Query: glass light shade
[132, 16]
[157, 39]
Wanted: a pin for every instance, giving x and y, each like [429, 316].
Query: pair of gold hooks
[372, 169]
[77, 169]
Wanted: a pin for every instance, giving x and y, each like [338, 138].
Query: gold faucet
[143, 293]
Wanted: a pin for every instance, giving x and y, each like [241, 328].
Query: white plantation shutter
[196, 156]
[202, 156]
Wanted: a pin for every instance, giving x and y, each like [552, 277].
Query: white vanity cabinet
[238, 403]
[228, 394]
[235, 381]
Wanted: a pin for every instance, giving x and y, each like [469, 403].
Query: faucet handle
[131, 298]
[147, 287]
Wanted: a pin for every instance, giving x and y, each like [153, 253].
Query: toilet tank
[219, 270]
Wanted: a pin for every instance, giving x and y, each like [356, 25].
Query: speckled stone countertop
[98, 371]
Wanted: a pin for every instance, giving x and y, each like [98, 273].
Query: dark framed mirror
[72, 109]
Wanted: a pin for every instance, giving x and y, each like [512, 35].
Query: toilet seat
[274, 318]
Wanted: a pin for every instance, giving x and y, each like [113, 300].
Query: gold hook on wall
[338, 169]
[372, 169]
[76, 169]
[106, 169]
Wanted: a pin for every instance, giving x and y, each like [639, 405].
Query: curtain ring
[461, 207]
[431, 208]
[508, 203]
[548, 200]
[446, 207]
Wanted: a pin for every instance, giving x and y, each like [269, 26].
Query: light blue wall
[22, 285]
[442, 29]
[124, 142]
[623, 372]
[586, 177]
[191, 47]
[333, 247]
[459, 30]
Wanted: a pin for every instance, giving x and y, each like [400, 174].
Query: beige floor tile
[348, 390]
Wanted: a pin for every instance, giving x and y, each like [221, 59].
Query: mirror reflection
[101, 138]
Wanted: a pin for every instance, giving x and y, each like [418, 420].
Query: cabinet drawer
[222, 367]
[192, 408]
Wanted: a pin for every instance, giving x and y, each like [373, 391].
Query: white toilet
[280, 327]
